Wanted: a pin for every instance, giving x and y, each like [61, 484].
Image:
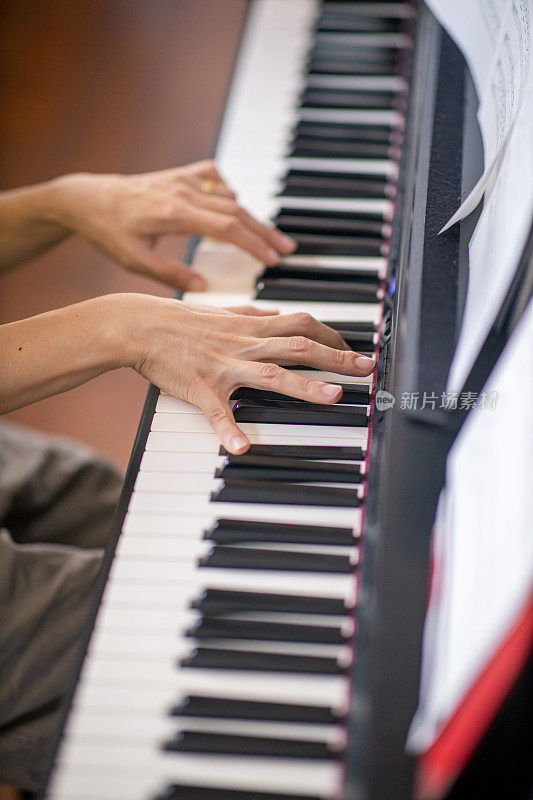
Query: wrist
[126, 317]
[58, 200]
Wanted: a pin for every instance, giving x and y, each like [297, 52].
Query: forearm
[56, 351]
[30, 221]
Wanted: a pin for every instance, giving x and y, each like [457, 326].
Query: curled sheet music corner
[495, 37]
[487, 181]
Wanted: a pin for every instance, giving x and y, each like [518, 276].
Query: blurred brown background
[103, 86]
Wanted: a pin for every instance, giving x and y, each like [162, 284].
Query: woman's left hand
[125, 215]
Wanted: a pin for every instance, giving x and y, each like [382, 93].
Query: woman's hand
[202, 355]
[125, 215]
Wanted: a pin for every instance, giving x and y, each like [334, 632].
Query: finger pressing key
[301, 350]
[274, 378]
[221, 420]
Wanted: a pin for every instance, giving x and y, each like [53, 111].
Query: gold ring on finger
[207, 186]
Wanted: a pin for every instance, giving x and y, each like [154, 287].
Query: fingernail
[331, 389]
[362, 362]
[286, 243]
[196, 284]
[272, 256]
[238, 442]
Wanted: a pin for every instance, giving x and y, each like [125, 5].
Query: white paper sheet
[497, 243]
[483, 549]
[495, 37]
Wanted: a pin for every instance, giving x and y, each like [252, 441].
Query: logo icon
[384, 400]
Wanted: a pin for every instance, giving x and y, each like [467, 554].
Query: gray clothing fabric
[57, 501]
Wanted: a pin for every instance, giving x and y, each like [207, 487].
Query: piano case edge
[407, 458]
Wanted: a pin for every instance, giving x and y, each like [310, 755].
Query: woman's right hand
[202, 355]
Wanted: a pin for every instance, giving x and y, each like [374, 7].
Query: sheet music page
[475, 27]
[497, 243]
[483, 545]
[495, 37]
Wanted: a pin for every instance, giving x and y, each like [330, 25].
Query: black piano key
[322, 64]
[222, 628]
[331, 244]
[328, 47]
[236, 490]
[335, 292]
[219, 658]
[181, 791]
[224, 708]
[223, 601]
[330, 225]
[281, 474]
[304, 183]
[369, 277]
[334, 216]
[355, 327]
[227, 530]
[339, 132]
[303, 147]
[231, 744]
[352, 393]
[346, 98]
[338, 58]
[298, 412]
[362, 337]
[227, 557]
[290, 464]
[332, 176]
[402, 10]
[291, 469]
[351, 23]
[341, 452]
[327, 244]
[366, 44]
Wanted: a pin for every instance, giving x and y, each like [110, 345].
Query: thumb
[170, 271]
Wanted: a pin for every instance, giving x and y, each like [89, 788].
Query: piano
[256, 630]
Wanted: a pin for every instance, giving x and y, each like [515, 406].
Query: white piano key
[166, 402]
[390, 119]
[146, 525]
[349, 312]
[167, 503]
[92, 727]
[188, 550]
[343, 204]
[197, 423]
[140, 572]
[209, 443]
[157, 546]
[357, 166]
[251, 162]
[340, 262]
[96, 687]
[97, 771]
[166, 595]
[190, 483]
[151, 728]
[362, 83]
[179, 462]
[333, 377]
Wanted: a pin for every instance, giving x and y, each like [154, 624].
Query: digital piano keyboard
[257, 628]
